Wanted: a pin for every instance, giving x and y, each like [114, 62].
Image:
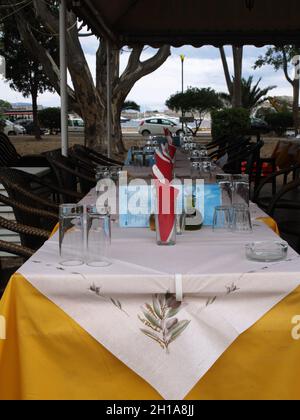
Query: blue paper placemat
[142, 196]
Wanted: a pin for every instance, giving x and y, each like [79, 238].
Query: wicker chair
[231, 149]
[47, 188]
[10, 157]
[250, 157]
[96, 157]
[22, 252]
[29, 209]
[285, 209]
[69, 176]
[277, 180]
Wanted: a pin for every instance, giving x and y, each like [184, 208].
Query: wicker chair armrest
[72, 171]
[277, 200]
[23, 229]
[29, 210]
[15, 249]
[270, 178]
[99, 156]
[35, 199]
[53, 188]
[35, 161]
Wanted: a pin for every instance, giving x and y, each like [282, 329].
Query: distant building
[20, 111]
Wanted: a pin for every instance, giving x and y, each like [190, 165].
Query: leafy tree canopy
[131, 106]
[277, 57]
[4, 105]
[50, 118]
[195, 100]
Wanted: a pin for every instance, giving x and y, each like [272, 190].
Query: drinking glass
[226, 192]
[138, 156]
[180, 223]
[241, 192]
[223, 178]
[195, 169]
[205, 164]
[115, 172]
[71, 235]
[101, 172]
[241, 219]
[222, 218]
[98, 236]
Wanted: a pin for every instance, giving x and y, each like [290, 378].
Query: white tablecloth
[225, 294]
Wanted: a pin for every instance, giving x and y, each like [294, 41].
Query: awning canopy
[192, 22]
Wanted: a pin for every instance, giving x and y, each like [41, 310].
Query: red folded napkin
[172, 148]
[164, 165]
[166, 196]
[166, 152]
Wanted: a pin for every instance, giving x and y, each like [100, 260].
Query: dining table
[195, 321]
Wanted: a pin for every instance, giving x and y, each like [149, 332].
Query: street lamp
[182, 58]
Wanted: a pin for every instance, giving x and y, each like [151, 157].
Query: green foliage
[262, 113]
[23, 71]
[131, 106]
[231, 123]
[4, 105]
[275, 57]
[195, 100]
[280, 122]
[50, 118]
[252, 94]
[2, 123]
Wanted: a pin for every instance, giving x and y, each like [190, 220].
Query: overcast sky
[203, 68]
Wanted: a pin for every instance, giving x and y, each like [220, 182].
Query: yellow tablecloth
[48, 356]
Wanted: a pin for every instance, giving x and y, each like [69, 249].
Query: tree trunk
[296, 87]
[227, 72]
[36, 122]
[237, 82]
[86, 98]
[96, 130]
[117, 136]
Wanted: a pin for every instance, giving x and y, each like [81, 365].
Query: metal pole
[182, 87]
[182, 76]
[63, 76]
[109, 145]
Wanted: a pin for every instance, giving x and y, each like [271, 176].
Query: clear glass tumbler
[226, 193]
[241, 219]
[222, 218]
[98, 236]
[241, 191]
[71, 235]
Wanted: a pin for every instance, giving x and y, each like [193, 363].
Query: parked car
[156, 126]
[30, 129]
[75, 125]
[12, 129]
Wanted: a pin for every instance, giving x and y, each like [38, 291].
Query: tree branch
[226, 71]
[286, 68]
[78, 67]
[137, 69]
[49, 65]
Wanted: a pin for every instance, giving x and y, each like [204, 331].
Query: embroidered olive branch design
[160, 319]
[116, 303]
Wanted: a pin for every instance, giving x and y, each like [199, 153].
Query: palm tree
[252, 95]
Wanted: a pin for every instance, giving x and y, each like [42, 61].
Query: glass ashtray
[267, 251]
